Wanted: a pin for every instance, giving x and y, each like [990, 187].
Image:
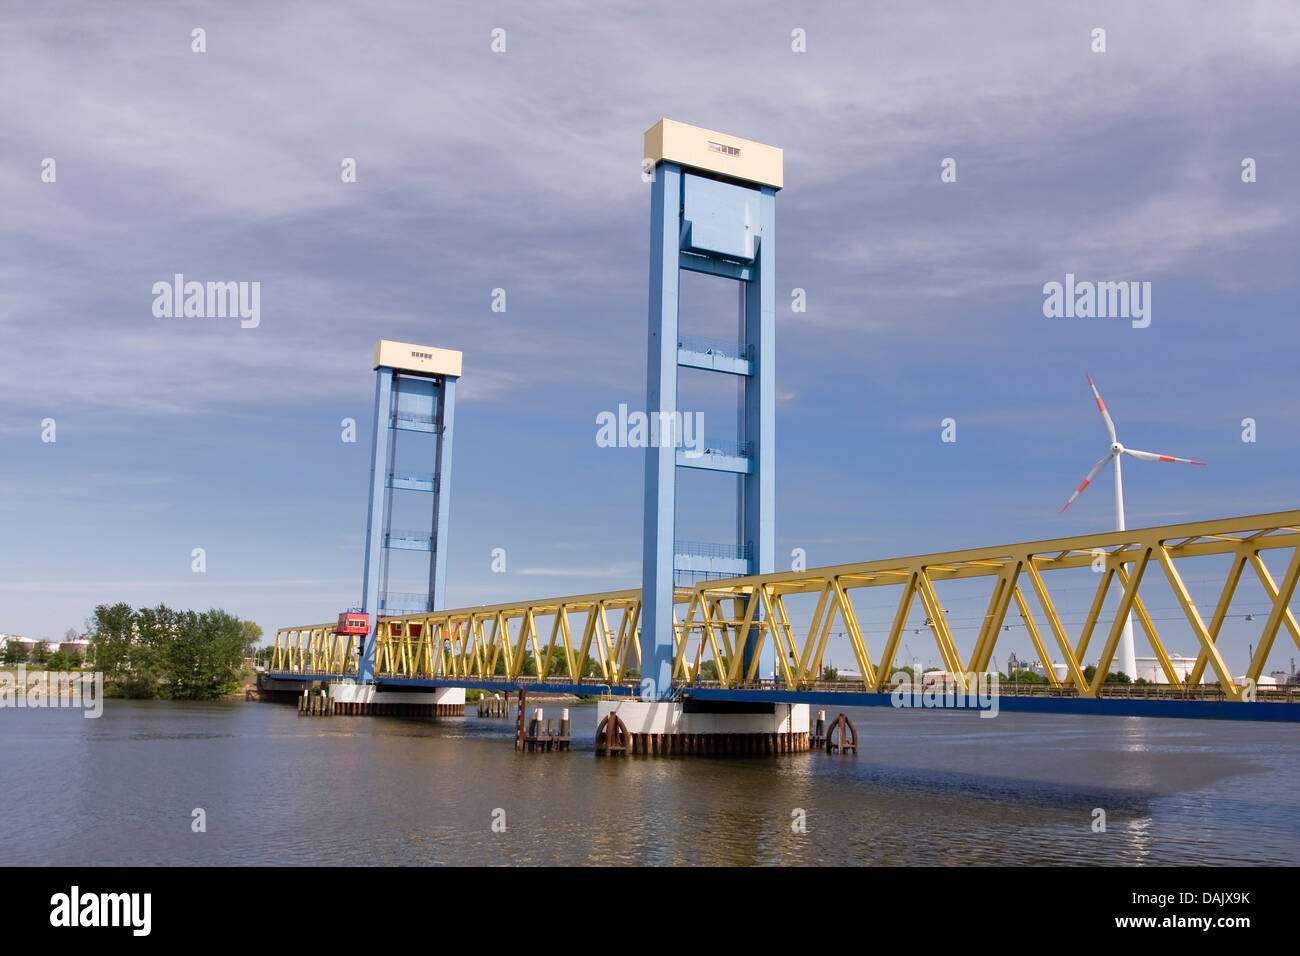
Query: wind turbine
[1127, 657]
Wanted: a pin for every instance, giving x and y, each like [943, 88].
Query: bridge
[589, 644]
[714, 628]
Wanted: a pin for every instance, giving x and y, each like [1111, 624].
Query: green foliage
[185, 655]
[529, 669]
[832, 673]
[15, 653]
[39, 655]
[252, 634]
[59, 661]
[1114, 677]
[1028, 677]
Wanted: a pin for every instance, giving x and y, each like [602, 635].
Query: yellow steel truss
[314, 648]
[595, 635]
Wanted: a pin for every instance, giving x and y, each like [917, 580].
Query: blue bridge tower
[712, 210]
[415, 391]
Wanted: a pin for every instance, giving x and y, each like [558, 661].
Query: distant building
[1149, 669]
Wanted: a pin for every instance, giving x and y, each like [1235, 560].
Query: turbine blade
[1101, 406]
[1087, 481]
[1152, 456]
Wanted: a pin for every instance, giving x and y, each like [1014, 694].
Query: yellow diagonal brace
[1122, 612]
[567, 635]
[1229, 686]
[588, 631]
[810, 645]
[1149, 627]
[1281, 599]
[679, 643]
[833, 604]
[896, 633]
[1032, 627]
[721, 656]
[1220, 612]
[999, 603]
[942, 636]
[790, 645]
[850, 619]
[742, 636]
[1085, 636]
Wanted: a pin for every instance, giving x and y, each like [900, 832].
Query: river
[929, 787]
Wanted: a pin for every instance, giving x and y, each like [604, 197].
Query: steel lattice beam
[596, 635]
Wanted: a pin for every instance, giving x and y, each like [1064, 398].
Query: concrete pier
[368, 700]
[703, 727]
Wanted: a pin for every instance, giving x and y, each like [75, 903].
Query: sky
[520, 170]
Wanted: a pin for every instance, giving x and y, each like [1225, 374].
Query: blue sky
[521, 171]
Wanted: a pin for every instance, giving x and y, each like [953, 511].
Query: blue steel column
[442, 485]
[375, 518]
[759, 490]
[660, 462]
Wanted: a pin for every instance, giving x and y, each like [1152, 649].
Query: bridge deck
[1128, 701]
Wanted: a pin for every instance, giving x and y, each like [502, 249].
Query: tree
[15, 651]
[183, 654]
[39, 655]
[201, 654]
[59, 661]
[831, 673]
[1114, 677]
[111, 632]
[1028, 677]
[252, 633]
[529, 668]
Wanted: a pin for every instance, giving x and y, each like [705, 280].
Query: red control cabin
[353, 622]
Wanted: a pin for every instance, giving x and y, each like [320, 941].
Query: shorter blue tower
[415, 391]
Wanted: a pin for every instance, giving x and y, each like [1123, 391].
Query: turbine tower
[1127, 655]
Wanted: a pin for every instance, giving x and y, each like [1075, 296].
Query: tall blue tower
[712, 210]
[415, 392]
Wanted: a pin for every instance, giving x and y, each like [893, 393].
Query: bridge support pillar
[368, 700]
[709, 728]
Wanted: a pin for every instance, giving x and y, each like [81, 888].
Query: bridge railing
[596, 635]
